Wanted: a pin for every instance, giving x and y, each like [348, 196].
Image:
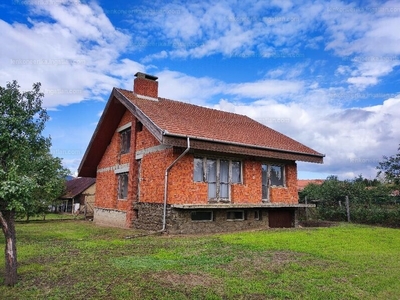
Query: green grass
[73, 259]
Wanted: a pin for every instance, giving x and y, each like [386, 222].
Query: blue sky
[325, 73]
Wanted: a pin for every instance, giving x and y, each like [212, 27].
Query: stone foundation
[181, 222]
[148, 216]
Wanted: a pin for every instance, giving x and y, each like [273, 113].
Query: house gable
[116, 109]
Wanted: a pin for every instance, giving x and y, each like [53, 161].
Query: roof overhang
[237, 148]
[102, 135]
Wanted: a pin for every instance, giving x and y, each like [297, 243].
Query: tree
[28, 172]
[50, 181]
[390, 167]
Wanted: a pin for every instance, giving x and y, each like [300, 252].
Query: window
[276, 175]
[201, 215]
[139, 126]
[212, 178]
[219, 174]
[264, 170]
[235, 215]
[257, 215]
[198, 174]
[236, 172]
[125, 141]
[123, 186]
[272, 175]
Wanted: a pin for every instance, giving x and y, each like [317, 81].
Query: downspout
[166, 184]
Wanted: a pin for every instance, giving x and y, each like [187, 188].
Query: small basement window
[235, 215]
[201, 215]
[257, 215]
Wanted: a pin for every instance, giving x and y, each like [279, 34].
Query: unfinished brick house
[172, 166]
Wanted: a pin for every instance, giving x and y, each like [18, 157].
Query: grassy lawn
[73, 259]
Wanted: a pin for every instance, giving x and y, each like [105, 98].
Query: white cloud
[354, 140]
[74, 56]
[233, 29]
[266, 88]
[362, 81]
[179, 86]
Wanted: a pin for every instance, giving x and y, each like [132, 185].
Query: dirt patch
[187, 280]
[249, 266]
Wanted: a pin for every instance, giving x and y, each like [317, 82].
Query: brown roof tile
[76, 186]
[175, 117]
[302, 183]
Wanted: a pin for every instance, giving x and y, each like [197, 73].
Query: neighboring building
[302, 183]
[167, 165]
[79, 196]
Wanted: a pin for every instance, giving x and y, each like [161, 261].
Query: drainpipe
[166, 184]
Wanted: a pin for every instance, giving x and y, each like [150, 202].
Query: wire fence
[381, 210]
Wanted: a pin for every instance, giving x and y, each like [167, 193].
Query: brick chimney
[146, 85]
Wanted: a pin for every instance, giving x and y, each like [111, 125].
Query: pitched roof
[180, 118]
[172, 121]
[76, 186]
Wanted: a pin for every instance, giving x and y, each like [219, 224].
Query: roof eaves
[166, 133]
[94, 136]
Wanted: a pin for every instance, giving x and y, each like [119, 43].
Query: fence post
[305, 200]
[348, 209]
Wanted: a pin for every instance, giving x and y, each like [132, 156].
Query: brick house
[167, 165]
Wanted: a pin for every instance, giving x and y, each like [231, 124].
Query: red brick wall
[112, 155]
[145, 87]
[107, 181]
[145, 140]
[289, 193]
[250, 190]
[153, 167]
[182, 189]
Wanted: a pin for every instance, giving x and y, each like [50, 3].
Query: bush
[369, 204]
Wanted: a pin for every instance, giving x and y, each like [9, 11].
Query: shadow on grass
[50, 218]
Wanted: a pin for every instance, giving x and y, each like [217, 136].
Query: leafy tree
[390, 167]
[28, 172]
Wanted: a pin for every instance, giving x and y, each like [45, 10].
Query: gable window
[219, 174]
[273, 175]
[123, 185]
[125, 141]
[139, 126]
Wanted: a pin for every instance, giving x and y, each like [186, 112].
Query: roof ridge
[197, 105]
